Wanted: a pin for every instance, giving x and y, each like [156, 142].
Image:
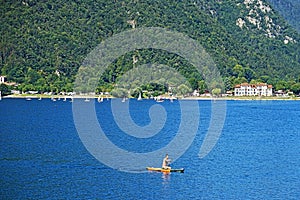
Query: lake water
[256, 157]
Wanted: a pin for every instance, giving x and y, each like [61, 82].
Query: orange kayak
[181, 170]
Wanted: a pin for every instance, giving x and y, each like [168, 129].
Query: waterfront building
[246, 89]
[2, 79]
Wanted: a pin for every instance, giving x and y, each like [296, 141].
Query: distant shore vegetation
[43, 44]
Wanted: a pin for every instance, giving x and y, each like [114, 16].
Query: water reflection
[166, 178]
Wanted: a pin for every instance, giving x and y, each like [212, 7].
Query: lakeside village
[241, 91]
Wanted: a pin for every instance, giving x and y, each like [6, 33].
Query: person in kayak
[166, 162]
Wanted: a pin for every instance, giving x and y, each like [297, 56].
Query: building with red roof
[260, 89]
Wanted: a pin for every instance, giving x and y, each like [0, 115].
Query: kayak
[181, 170]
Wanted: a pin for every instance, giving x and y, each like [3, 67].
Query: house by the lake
[246, 89]
[2, 79]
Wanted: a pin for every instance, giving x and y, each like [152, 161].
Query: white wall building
[261, 89]
[2, 79]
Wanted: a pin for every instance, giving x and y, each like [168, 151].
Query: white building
[2, 79]
[261, 89]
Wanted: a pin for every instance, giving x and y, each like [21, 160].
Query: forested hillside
[43, 43]
[290, 10]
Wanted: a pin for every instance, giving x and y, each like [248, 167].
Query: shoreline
[244, 98]
[35, 96]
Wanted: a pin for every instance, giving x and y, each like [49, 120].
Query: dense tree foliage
[290, 9]
[43, 43]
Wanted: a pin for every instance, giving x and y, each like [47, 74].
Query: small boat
[159, 100]
[100, 99]
[181, 170]
[172, 99]
[140, 97]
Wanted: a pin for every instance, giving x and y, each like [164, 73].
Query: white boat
[40, 98]
[65, 99]
[0, 95]
[159, 99]
[140, 97]
[172, 99]
[100, 99]
[124, 99]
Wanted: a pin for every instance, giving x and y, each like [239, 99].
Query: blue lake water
[256, 157]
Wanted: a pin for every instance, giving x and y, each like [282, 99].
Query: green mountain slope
[44, 43]
[290, 10]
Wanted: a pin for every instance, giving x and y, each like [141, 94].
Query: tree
[119, 92]
[202, 86]
[32, 76]
[296, 88]
[238, 70]
[193, 83]
[68, 87]
[5, 90]
[265, 79]
[227, 84]
[183, 89]
[289, 84]
[27, 87]
[254, 81]
[216, 91]
[280, 85]
[249, 74]
[239, 80]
